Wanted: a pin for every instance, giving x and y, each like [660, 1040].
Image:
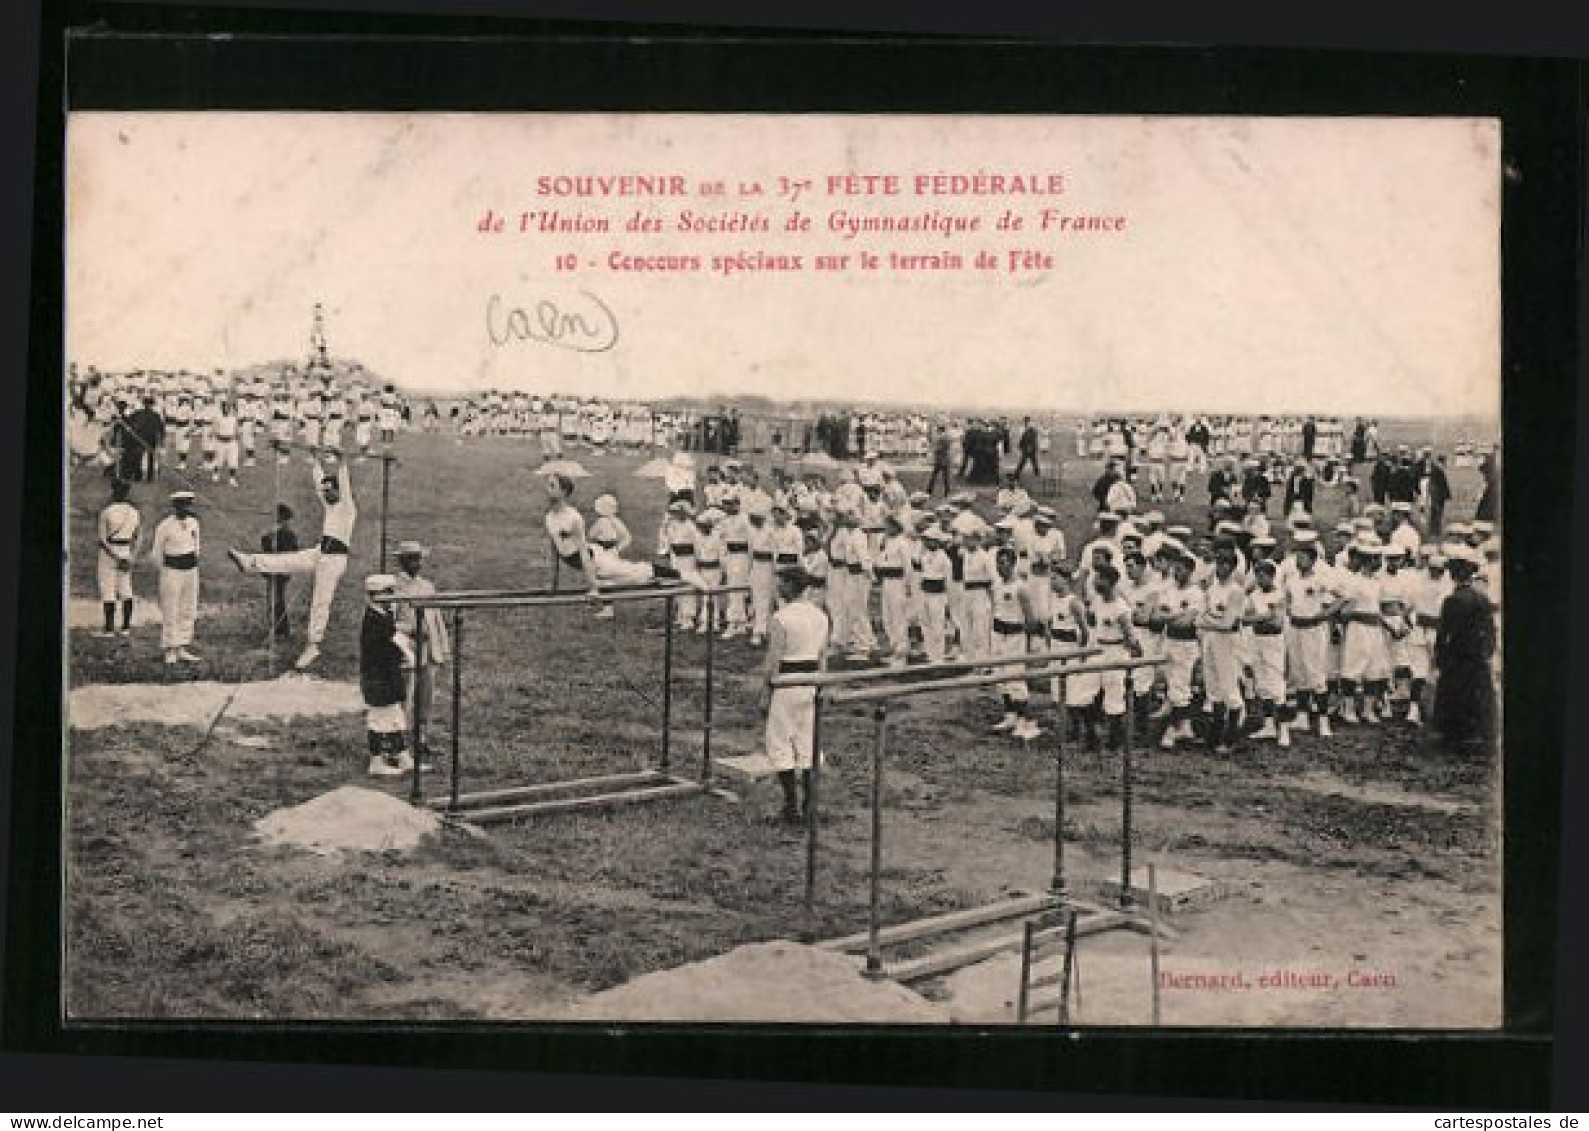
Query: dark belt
[928, 585]
[1260, 630]
[681, 550]
[978, 585]
[890, 573]
[1065, 635]
[119, 541]
[788, 559]
[708, 564]
[330, 545]
[1005, 628]
[1176, 632]
[739, 547]
[1308, 622]
[761, 556]
[1364, 618]
[1428, 621]
[182, 561]
[790, 667]
[856, 567]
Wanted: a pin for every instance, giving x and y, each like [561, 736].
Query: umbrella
[567, 468]
[652, 469]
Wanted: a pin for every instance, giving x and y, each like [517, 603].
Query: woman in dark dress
[1464, 648]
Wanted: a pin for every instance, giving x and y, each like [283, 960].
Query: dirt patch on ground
[349, 819]
[1330, 786]
[197, 704]
[85, 612]
[768, 982]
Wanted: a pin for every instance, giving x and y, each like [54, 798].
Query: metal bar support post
[667, 683]
[710, 613]
[386, 490]
[1125, 799]
[457, 699]
[1057, 886]
[813, 792]
[874, 949]
[417, 723]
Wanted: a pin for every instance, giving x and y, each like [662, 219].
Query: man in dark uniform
[1359, 443]
[280, 540]
[1299, 488]
[1490, 469]
[147, 429]
[1463, 649]
[1379, 480]
[1402, 486]
[1439, 494]
[1028, 449]
[1100, 489]
[941, 449]
[1310, 437]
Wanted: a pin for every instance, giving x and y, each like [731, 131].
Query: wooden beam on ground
[594, 802]
[943, 924]
[488, 796]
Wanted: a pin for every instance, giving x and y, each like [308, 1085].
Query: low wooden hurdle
[879, 687]
[577, 794]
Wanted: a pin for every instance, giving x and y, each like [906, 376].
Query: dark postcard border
[581, 68]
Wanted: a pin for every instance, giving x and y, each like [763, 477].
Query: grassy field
[173, 912]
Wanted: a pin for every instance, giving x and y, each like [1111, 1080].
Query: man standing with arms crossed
[175, 549]
[327, 561]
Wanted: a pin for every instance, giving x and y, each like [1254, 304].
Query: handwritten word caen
[589, 327]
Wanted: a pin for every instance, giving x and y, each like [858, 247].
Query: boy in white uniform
[1012, 620]
[1180, 605]
[119, 527]
[797, 643]
[224, 429]
[1265, 617]
[736, 533]
[1225, 603]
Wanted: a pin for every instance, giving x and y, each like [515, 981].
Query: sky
[1266, 265]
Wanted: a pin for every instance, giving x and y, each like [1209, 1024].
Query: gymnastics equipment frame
[576, 794]
[887, 685]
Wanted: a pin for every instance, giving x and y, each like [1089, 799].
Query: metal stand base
[572, 796]
[939, 930]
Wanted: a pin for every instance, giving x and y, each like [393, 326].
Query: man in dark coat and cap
[1463, 650]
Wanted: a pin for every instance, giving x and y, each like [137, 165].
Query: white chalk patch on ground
[238, 738]
[196, 704]
[85, 612]
[349, 819]
[769, 982]
[1328, 785]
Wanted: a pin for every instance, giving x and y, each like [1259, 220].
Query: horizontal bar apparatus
[1052, 671]
[540, 598]
[905, 675]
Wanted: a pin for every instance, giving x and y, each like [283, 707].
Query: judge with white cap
[175, 550]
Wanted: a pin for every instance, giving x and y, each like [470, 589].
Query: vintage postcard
[878, 569]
